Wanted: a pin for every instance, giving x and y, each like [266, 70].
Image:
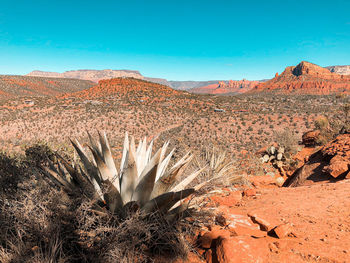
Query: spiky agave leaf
[165, 201]
[145, 184]
[144, 180]
[128, 177]
[168, 179]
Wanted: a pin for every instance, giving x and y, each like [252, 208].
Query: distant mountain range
[313, 79]
[211, 86]
[97, 75]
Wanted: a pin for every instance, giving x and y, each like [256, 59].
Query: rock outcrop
[342, 70]
[306, 78]
[310, 138]
[233, 87]
[329, 163]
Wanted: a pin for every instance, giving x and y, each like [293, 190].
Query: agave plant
[143, 180]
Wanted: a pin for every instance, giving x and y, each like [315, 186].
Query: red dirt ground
[319, 216]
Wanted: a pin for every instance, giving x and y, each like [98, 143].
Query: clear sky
[173, 39]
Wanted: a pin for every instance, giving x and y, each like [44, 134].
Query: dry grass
[221, 171]
[39, 223]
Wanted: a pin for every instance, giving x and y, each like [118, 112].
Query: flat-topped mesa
[89, 74]
[306, 78]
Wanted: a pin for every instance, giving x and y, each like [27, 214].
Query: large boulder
[310, 138]
[338, 165]
[241, 249]
[329, 163]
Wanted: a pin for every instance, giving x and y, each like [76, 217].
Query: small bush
[288, 140]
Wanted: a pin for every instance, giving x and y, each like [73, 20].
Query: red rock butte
[306, 78]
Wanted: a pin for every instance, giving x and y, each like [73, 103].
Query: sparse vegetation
[41, 223]
[63, 220]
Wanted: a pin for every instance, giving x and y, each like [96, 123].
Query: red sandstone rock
[262, 180]
[310, 138]
[337, 166]
[206, 241]
[249, 192]
[347, 176]
[234, 86]
[303, 155]
[224, 251]
[264, 225]
[283, 230]
[330, 161]
[241, 249]
[340, 146]
[306, 78]
[241, 230]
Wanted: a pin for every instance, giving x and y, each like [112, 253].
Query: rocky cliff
[306, 78]
[230, 87]
[342, 70]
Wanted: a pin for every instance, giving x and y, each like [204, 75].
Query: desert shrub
[39, 154]
[41, 223]
[321, 123]
[12, 172]
[134, 239]
[330, 127]
[288, 140]
[219, 169]
[74, 220]
[32, 215]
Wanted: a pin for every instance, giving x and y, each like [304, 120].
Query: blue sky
[177, 40]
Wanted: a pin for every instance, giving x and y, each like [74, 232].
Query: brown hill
[125, 88]
[233, 86]
[12, 86]
[306, 78]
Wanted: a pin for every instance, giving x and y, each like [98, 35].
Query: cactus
[277, 157]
